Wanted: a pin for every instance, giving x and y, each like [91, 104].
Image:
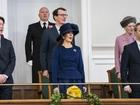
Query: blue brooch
[74, 50]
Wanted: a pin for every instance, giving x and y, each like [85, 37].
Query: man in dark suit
[130, 66]
[49, 40]
[7, 63]
[33, 41]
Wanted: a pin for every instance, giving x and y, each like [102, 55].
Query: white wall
[3, 13]
[99, 26]
[106, 16]
[21, 13]
[105, 23]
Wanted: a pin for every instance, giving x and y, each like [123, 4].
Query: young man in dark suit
[7, 63]
[130, 66]
[33, 41]
[49, 40]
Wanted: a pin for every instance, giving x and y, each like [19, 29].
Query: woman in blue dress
[67, 63]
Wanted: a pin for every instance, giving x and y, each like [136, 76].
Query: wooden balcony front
[70, 102]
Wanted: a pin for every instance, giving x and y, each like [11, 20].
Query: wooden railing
[71, 102]
[27, 90]
[32, 91]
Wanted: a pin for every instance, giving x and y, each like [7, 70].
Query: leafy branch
[56, 99]
[92, 99]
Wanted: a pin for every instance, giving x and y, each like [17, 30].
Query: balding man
[33, 41]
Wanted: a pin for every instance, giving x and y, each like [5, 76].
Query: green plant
[56, 99]
[92, 99]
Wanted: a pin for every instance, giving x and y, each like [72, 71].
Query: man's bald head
[44, 14]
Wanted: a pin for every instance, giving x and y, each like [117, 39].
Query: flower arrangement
[74, 92]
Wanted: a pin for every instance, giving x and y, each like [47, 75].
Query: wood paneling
[33, 92]
[26, 92]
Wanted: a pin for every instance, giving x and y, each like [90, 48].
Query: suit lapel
[2, 43]
[136, 49]
[39, 26]
[55, 31]
[50, 25]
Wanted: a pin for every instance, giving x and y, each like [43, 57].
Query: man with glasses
[49, 42]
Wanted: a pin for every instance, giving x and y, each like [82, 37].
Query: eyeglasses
[62, 14]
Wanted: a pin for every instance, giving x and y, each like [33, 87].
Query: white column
[3, 13]
[86, 38]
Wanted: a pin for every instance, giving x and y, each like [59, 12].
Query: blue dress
[67, 66]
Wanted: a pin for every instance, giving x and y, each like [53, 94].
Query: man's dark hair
[55, 12]
[136, 26]
[1, 18]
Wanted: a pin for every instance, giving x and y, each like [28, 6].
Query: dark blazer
[130, 64]
[33, 39]
[7, 59]
[67, 64]
[47, 46]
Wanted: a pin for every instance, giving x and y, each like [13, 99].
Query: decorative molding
[104, 63]
[103, 57]
[99, 69]
[103, 47]
[102, 60]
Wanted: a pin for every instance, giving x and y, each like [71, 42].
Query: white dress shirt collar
[138, 43]
[57, 27]
[41, 23]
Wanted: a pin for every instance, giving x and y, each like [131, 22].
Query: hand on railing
[119, 75]
[3, 78]
[30, 62]
[127, 89]
[46, 73]
[84, 89]
[56, 90]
